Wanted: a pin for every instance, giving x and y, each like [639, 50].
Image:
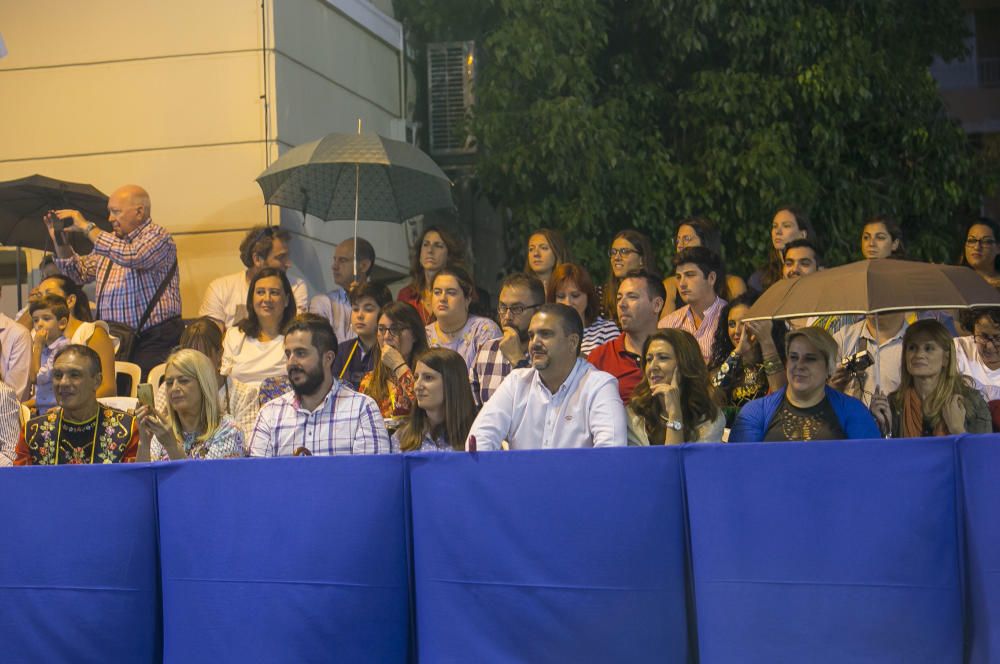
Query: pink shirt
[683, 319]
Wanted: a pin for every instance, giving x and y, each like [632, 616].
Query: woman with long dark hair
[788, 223]
[882, 237]
[436, 250]
[254, 349]
[674, 403]
[699, 232]
[546, 251]
[980, 252]
[630, 251]
[401, 339]
[444, 410]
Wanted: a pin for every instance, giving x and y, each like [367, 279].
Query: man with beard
[561, 401]
[320, 416]
[81, 430]
[520, 295]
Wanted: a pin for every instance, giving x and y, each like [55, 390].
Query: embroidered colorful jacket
[112, 436]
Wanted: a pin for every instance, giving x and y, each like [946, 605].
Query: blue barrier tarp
[285, 560]
[553, 556]
[807, 552]
[980, 463]
[79, 576]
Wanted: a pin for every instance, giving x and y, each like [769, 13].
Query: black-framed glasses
[515, 309]
[988, 339]
[980, 241]
[620, 251]
[394, 330]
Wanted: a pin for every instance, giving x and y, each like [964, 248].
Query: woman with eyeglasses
[699, 232]
[978, 355]
[455, 328]
[436, 250]
[981, 250]
[933, 398]
[546, 251]
[401, 337]
[254, 348]
[630, 251]
[571, 285]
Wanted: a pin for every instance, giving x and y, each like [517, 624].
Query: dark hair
[364, 251]
[54, 303]
[654, 286]
[250, 325]
[456, 256]
[378, 292]
[894, 230]
[645, 249]
[774, 269]
[322, 336]
[259, 241]
[706, 230]
[81, 308]
[203, 335]
[527, 281]
[398, 312]
[556, 243]
[808, 244]
[462, 277]
[85, 352]
[568, 318]
[459, 409]
[969, 317]
[722, 345]
[698, 401]
[707, 261]
[981, 221]
[580, 277]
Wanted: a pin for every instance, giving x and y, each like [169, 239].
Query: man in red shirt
[640, 299]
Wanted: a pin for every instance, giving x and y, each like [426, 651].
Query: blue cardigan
[753, 419]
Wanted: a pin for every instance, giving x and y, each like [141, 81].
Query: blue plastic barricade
[980, 463]
[285, 560]
[815, 552]
[79, 581]
[554, 556]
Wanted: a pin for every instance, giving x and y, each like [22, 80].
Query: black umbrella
[24, 203]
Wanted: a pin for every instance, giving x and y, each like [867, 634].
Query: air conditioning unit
[451, 74]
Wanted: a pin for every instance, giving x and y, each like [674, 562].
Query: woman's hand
[150, 424]
[881, 412]
[953, 414]
[391, 357]
[670, 396]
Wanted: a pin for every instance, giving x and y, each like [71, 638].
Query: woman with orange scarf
[933, 399]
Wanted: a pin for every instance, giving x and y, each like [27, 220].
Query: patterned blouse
[225, 443]
[400, 399]
[428, 444]
[467, 341]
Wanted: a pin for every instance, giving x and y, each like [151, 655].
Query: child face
[47, 325]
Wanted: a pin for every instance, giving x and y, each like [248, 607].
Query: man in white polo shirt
[561, 401]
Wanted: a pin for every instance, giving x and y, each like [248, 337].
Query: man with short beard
[320, 416]
[561, 401]
[520, 295]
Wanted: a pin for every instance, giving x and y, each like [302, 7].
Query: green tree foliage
[598, 115]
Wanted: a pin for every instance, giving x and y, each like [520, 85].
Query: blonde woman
[192, 427]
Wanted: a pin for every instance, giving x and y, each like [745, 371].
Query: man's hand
[510, 346]
[953, 414]
[79, 224]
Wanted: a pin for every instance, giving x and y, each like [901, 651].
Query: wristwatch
[676, 425]
[90, 226]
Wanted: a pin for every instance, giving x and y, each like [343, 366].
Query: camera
[858, 361]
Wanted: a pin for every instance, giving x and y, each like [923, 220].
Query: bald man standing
[135, 268]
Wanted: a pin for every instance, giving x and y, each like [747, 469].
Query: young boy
[354, 357]
[50, 316]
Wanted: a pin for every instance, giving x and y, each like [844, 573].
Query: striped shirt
[139, 262]
[346, 422]
[10, 424]
[599, 332]
[704, 334]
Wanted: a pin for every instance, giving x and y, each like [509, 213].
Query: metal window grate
[450, 75]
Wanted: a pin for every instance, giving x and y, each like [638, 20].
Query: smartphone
[144, 392]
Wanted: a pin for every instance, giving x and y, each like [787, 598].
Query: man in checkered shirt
[320, 416]
[520, 295]
[128, 266]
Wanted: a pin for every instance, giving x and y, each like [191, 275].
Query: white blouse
[251, 361]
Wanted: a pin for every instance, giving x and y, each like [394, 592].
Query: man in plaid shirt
[320, 416]
[520, 295]
[137, 258]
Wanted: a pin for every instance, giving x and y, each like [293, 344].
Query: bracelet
[401, 364]
[773, 365]
[90, 226]
[676, 425]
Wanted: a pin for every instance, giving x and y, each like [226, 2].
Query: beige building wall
[171, 96]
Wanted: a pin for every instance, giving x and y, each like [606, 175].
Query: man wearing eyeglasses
[520, 295]
[225, 300]
[978, 356]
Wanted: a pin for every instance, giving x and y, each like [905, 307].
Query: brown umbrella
[875, 286]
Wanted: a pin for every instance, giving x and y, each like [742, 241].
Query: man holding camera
[855, 375]
[135, 268]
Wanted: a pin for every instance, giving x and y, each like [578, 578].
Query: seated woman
[444, 410]
[978, 355]
[436, 250]
[254, 349]
[699, 232]
[980, 252]
[454, 327]
[747, 360]
[237, 400]
[806, 409]
[82, 330]
[933, 399]
[882, 237]
[788, 223]
[401, 338]
[674, 403]
[571, 285]
[630, 251]
[192, 427]
[546, 251]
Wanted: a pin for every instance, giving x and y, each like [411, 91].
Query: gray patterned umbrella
[356, 176]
